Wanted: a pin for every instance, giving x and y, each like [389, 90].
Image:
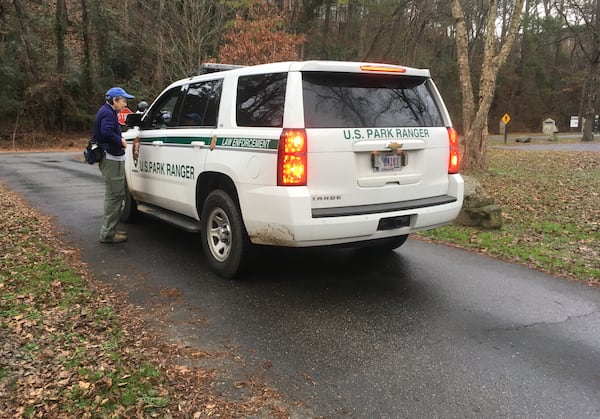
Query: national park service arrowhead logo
[136, 151]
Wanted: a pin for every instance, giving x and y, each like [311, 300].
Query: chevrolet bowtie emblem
[394, 146]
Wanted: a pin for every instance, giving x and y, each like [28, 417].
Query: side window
[201, 104]
[163, 114]
[260, 100]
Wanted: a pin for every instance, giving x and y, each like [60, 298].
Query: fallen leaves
[72, 347]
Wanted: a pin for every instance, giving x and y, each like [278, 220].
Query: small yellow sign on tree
[506, 119]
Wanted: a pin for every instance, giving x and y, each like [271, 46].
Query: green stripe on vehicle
[262, 143]
[233, 142]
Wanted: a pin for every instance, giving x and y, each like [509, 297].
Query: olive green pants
[114, 178]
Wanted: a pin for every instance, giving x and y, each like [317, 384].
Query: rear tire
[129, 211]
[225, 242]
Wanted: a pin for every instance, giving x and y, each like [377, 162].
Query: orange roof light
[382, 69]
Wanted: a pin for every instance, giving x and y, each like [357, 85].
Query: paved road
[585, 147]
[425, 332]
[593, 146]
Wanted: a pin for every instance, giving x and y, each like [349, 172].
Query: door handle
[157, 143]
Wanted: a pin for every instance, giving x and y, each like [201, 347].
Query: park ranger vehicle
[296, 154]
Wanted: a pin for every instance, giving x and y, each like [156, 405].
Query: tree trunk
[588, 41]
[525, 48]
[87, 49]
[159, 72]
[588, 109]
[475, 119]
[325, 32]
[464, 68]
[101, 44]
[592, 80]
[61, 29]
[29, 59]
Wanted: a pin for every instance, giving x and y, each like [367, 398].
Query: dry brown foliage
[260, 37]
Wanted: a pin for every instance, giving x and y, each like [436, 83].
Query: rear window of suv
[348, 100]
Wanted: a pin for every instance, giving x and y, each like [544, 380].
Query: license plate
[389, 160]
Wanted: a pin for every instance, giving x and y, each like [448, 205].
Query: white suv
[295, 154]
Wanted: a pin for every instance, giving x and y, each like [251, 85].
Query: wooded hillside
[59, 57]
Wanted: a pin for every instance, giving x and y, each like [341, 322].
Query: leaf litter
[74, 347]
[551, 211]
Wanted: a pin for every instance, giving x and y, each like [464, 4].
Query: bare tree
[184, 34]
[495, 53]
[259, 37]
[87, 48]
[24, 33]
[159, 74]
[193, 31]
[61, 29]
[583, 20]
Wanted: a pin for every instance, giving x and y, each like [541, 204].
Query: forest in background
[59, 57]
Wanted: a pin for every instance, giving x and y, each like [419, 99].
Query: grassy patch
[551, 208]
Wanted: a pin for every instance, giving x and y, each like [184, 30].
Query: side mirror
[133, 120]
[141, 107]
[167, 118]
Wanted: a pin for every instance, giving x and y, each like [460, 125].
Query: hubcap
[219, 234]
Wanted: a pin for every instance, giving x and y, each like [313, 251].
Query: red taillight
[454, 162]
[291, 158]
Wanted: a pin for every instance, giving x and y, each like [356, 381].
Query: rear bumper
[383, 208]
[284, 217]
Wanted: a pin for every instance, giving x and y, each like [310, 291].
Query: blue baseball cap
[118, 91]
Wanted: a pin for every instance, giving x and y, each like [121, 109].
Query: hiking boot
[117, 238]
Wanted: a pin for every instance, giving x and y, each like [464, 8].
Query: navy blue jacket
[107, 130]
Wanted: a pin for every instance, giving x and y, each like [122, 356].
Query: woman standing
[107, 132]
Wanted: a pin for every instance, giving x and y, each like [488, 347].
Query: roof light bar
[382, 69]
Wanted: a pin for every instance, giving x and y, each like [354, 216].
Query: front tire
[225, 242]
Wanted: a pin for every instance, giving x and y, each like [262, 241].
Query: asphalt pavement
[496, 141]
[550, 146]
[427, 331]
